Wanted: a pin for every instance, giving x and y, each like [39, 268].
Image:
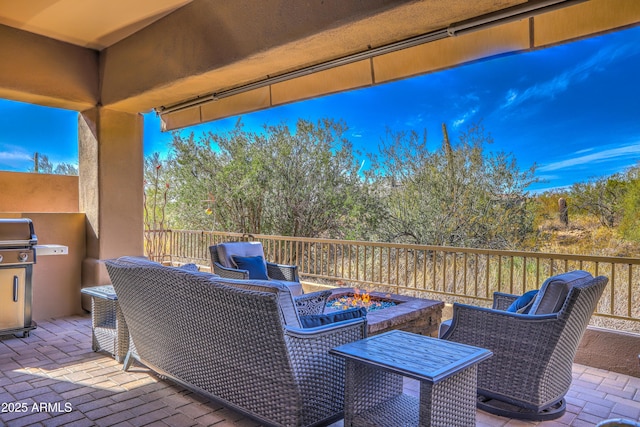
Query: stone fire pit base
[417, 315]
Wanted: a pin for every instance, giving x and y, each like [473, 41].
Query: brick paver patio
[53, 378]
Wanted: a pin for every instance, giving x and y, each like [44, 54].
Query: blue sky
[573, 110]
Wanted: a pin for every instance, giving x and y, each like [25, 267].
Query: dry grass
[583, 236]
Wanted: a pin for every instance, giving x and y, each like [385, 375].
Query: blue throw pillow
[523, 303]
[253, 264]
[314, 320]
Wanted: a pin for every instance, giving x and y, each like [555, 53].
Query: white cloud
[466, 116]
[595, 157]
[561, 83]
[12, 156]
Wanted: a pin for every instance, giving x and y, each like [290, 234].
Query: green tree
[601, 197]
[313, 179]
[630, 223]
[455, 195]
[155, 198]
[42, 164]
[298, 182]
[221, 172]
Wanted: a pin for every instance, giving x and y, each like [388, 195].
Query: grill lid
[17, 233]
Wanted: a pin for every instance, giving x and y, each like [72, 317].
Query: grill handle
[15, 288]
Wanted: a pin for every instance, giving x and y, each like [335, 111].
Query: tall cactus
[563, 211]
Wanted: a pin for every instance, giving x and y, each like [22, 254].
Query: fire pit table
[417, 315]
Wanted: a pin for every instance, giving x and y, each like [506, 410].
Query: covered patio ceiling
[174, 54]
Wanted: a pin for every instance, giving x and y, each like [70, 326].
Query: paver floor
[53, 378]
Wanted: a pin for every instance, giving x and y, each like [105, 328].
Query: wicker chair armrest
[312, 303]
[322, 332]
[320, 375]
[503, 333]
[230, 273]
[288, 273]
[480, 323]
[502, 301]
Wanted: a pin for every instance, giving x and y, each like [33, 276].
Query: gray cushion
[294, 287]
[555, 289]
[243, 249]
[444, 327]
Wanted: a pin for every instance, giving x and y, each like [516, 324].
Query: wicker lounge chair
[237, 342]
[530, 371]
[223, 264]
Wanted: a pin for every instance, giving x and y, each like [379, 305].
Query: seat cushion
[523, 303]
[445, 325]
[253, 264]
[227, 250]
[294, 287]
[315, 320]
[555, 289]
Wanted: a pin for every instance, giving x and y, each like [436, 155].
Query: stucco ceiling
[175, 53]
[95, 24]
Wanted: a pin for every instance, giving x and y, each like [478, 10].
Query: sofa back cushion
[555, 289]
[243, 249]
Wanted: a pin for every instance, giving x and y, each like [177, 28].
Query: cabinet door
[12, 298]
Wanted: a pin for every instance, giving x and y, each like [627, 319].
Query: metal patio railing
[446, 273]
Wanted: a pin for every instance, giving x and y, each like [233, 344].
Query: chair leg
[128, 360]
[504, 409]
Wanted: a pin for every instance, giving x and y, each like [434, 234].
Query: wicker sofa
[238, 342]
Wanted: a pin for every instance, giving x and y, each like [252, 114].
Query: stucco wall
[56, 278]
[51, 202]
[32, 192]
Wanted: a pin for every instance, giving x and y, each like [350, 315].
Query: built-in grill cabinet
[17, 256]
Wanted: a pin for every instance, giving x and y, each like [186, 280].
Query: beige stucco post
[111, 188]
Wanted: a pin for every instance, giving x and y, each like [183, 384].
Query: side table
[109, 330]
[375, 368]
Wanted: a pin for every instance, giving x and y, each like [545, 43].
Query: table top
[104, 292]
[411, 355]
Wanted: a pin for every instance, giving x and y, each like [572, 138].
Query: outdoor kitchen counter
[410, 314]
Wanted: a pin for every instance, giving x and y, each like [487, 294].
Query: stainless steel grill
[17, 257]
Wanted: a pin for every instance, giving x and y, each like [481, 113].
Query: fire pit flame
[360, 298]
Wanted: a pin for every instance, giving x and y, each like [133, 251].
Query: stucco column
[111, 189]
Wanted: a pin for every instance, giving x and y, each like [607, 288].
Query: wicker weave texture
[109, 329]
[231, 344]
[533, 355]
[451, 402]
[371, 390]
